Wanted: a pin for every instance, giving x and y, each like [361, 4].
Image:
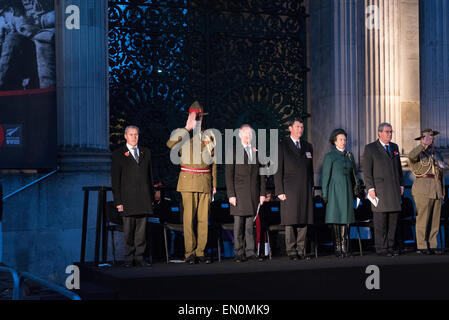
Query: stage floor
[409, 276]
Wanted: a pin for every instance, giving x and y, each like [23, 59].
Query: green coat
[337, 187]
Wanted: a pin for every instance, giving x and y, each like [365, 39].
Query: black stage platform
[409, 276]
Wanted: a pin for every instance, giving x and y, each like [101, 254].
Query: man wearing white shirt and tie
[246, 190]
[383, 178]
[132, 187]
[294, 187]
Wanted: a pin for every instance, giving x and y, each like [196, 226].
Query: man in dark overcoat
[246, 190]
[384, 180]
[294, 187]
[132, 188]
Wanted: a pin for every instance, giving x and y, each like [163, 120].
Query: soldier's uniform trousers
[427, 209]
[195, 204]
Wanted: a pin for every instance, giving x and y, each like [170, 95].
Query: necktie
[248, 152]
[387, 147]
[298, 145]
[134, 152]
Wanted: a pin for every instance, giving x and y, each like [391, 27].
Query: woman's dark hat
[335, 133]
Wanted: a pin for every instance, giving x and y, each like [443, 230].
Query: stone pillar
[409, 73]
[435, 68]
[382, 69]
[82, 86]
[363, 73]
[392, 70]
[336, 83]
[348, 83]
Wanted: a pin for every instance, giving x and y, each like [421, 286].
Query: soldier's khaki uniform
[428, 192]
[195, 183]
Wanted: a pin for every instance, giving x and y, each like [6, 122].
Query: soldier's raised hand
[427, 140]
[191, 121]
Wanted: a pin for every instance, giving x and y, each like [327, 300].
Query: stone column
[409, 73]
[364, 70]
[435, 68]
[336, 83]
[347, 63]
[382, 70]
[392, 70]
[82, 86]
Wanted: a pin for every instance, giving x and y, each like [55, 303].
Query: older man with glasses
[384, 181]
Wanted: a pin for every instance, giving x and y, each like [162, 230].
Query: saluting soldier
[197, 179]
[427, 165]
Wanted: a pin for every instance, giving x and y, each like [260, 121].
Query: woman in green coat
[339, 176]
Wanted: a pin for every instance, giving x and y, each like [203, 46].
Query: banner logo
[12, 135]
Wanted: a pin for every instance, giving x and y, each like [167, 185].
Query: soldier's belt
[427, 176]
[195, 170]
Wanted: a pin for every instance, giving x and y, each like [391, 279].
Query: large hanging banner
[27, 84]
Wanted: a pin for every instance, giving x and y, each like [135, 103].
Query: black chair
[171, 221]
[318, 231]
[270, 219]
[220, 219]
[444, 224]
[363, 219]
[406, 222]
[114, 223]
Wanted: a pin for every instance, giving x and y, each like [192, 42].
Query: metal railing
[52, 286]
[18, 280]
[28, 185]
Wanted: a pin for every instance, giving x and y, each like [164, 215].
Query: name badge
[309, 155]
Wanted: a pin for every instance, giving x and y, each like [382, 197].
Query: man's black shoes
[423, 252]
[191, 259]
[127, 264]
[394, 253]
[206, 260]
[385, 254]
[143, 263]
[255, 258]
[239, 258]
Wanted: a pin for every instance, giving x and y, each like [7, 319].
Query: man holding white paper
[384, 181]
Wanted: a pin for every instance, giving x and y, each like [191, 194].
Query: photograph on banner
[27, 84]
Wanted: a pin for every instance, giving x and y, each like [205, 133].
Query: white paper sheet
[374, 201]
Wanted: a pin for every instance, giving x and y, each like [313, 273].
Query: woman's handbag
[358, 189]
